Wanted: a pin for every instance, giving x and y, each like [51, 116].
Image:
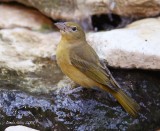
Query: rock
[75, 9]
[81, 109]
[136, 46]
[25, 59]
[19, 128]
[20, 47]
[26, 55]
[20, 16]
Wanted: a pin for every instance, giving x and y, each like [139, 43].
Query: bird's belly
[76, 75]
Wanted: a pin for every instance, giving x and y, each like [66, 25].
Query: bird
[79, 61]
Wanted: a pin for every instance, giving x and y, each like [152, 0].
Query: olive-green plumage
[79, 61]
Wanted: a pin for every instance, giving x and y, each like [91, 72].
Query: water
[85, 109]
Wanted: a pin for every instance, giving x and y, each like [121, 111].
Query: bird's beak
[61, 26]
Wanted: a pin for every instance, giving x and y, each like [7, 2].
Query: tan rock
[78, 9]
[12, 16]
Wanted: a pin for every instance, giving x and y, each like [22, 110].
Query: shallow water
[85, 109]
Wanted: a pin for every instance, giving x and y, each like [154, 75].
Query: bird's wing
[91, 68]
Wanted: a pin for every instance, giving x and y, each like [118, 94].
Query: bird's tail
[127, 103]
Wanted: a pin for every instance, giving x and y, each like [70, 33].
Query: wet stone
[84, 109]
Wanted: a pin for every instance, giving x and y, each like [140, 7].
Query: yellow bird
[78, 60]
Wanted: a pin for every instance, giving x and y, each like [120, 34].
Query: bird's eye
[74, 28]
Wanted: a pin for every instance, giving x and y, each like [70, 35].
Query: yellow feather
[79, 61]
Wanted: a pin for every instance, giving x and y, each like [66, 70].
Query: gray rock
[84, 109]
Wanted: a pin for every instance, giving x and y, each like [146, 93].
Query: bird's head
[71, 30]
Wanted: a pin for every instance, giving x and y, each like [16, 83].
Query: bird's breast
[72, 72]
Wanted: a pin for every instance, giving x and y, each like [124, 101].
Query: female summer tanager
[79, 61]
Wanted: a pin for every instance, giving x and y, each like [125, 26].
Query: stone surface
[20, 47]
[26, 55]
[136, 46]
[12, 16]
[79, 9]
[81, 109]
[19, 128]
[26, 59]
